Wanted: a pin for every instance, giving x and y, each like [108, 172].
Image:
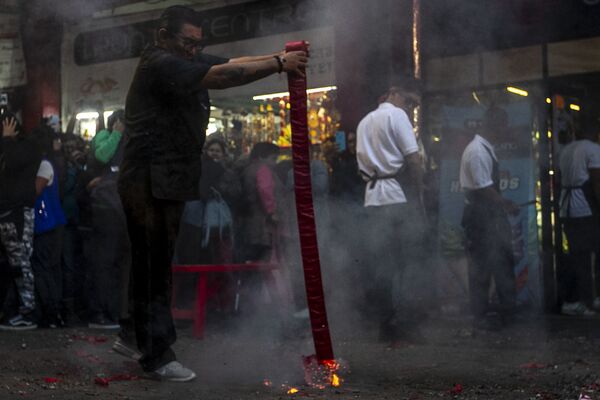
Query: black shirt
[20, 160]
[166, 114]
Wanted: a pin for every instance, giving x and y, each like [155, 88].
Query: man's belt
[372, 179]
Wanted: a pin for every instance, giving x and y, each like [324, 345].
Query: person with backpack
[47, 241]
[206, 234]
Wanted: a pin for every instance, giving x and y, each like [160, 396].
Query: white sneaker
[174, 372]
[18, 323]
[596, 304]
[576, 308]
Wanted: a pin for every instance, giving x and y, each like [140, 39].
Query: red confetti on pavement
[101, 381]
[533, 365]
[51, 380]
[90, 339]
[457, 389]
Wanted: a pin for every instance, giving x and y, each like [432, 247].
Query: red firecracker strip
[305, 211]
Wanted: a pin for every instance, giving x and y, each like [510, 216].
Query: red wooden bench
[198, 311]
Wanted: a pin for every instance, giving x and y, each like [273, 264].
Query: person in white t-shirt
[580, 216]
[487, 229]
[389, 161]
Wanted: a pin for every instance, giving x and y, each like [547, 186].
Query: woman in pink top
[262, 192]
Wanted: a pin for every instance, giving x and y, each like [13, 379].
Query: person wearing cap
[580, 217]
[486, 225]
[166, 116]
[389, 161]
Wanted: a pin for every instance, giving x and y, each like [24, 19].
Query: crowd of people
[89, 231]
[69, 252]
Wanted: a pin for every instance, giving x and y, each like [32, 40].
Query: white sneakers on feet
[174, 372]
[576, 308]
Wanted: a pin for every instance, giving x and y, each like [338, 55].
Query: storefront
[100, 56]
[544, 82]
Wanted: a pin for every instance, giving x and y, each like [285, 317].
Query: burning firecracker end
[292, 391]
[321, 374]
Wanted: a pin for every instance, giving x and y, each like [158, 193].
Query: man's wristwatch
[279, 63]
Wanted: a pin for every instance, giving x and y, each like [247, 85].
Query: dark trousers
[45, 262]
[489, 246]
[394, 243]
[579, 279]
[73, 274]
[152, 225]
[110, 257]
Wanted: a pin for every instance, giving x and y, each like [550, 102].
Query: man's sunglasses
[189, 43]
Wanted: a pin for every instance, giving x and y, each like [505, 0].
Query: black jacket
[20, 160]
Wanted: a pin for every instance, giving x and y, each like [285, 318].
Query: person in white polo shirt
[389, 160]
[487, 228]
[580, 216]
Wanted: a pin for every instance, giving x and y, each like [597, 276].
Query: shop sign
[222, 25]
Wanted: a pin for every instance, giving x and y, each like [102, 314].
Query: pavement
[543, 358]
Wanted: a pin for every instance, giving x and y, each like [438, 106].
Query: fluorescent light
[574, 107]
[321, 89]
[548, 100]
[287, 94]
[87, 115]
[518, 91]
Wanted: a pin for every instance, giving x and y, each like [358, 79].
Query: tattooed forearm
[230, 75]
[234, 74]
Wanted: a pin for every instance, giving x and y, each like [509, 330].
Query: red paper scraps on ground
[533, 365]
[101, 381]
[90, 339]
[51, 380]
[457, 389]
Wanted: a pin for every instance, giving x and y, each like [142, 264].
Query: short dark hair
[403, 87]
[263, 150]
[218, 141]
[173, 18]
[114, 117]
